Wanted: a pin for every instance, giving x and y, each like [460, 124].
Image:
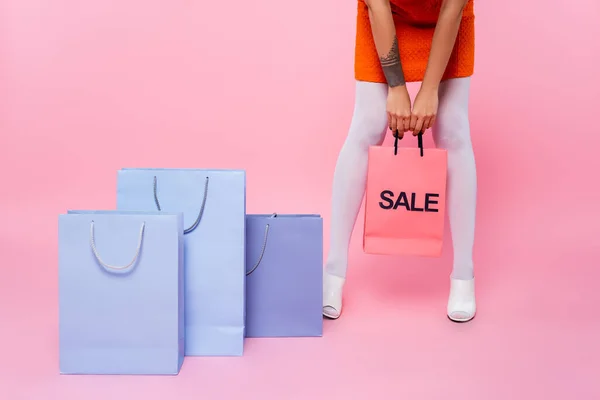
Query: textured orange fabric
[415, 22]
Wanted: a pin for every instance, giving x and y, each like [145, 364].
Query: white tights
[369, 127]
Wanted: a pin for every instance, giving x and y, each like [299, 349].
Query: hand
[424, 110]
[398, 110]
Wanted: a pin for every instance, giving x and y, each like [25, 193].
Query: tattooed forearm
[392, 68]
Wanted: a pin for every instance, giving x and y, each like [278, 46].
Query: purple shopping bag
[121, 304]
[213, 203]
[284, 283]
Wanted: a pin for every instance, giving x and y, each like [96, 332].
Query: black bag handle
[420, 142]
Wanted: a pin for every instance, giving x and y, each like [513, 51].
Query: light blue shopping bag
[121, 303]
[213, 203]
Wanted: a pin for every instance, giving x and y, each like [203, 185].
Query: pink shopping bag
[405, 201]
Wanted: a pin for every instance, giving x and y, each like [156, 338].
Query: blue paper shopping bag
[284, 284]
[121, 303]
[213, 203]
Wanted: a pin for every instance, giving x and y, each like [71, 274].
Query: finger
[399, 134]
[426, 123]
[413, 122]
[394, 123]
[389, 118]
[406, 123]
[432, 122]
[418, 126]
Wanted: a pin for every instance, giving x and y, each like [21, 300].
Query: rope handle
[420, 142]
[263, 248]
[116, 267]
[200, 214]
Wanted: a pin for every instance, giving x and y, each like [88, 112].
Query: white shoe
[461, 302]
[332, 295]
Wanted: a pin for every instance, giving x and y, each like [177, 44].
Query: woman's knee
[452, 129]
[369, 121]
[368, 130]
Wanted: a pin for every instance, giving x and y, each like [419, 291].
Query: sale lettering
[390, 201]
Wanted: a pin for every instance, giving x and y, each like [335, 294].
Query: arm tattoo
[392, 68]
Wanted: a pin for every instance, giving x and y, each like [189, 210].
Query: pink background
[87, 87]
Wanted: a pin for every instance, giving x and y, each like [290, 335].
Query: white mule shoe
[332, 295]
[461, 302]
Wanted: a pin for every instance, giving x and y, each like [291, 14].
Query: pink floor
[536, 334]
[89, 87]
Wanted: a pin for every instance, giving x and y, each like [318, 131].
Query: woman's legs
[451, 131]
[368, 128]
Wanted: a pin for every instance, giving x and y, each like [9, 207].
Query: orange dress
[415, 22]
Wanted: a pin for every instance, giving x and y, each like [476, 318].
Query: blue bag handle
[264, 247]
[116, 268]
[198, 218]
